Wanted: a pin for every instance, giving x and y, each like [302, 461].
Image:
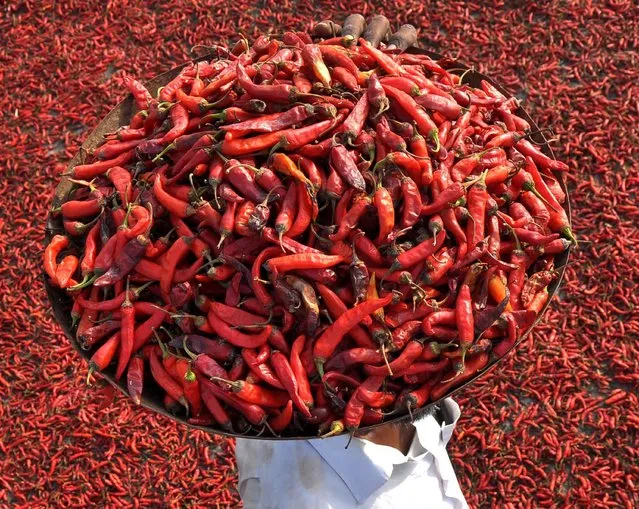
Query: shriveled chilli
[274, 235]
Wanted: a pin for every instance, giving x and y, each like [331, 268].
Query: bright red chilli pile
[308, 236]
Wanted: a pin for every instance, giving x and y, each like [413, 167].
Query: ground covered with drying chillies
[554, 423]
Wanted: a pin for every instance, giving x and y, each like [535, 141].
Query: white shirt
[322, 474]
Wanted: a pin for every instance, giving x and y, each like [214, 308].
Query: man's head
[397, 434]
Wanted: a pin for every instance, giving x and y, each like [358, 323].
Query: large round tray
[121, 114]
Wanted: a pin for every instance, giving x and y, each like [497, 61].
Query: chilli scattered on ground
[554, 424]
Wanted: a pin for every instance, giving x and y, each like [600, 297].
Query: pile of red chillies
[308, 236]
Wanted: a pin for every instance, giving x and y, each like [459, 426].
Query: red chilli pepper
[173, 257]
[65, 270]
[306, 209]
[286, 216]
[164, 380]
[351, 218]
[90, 171]
[385, 61]
[367, 249]
[253, 413]
[412, 207]
[333, 335]
[343, 162]
[385, 213]
[281, 421]
[290, 139]
[528, 149]
[312, 56]
[354, 411]
[287, 377]
[464, 319]
[471, 367]
[175, 206]
[337, 308]
[425, 125]
[261, 370]
[135, 379]
[477, 198]
[235, 337]
[303, 261]
[303, 385]
[354, 123]
[443, 200]
[420, 252]
[409, 354]
[190, 384]
[127, 333]
[255, 394]
[141, 95]
[104, 355]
